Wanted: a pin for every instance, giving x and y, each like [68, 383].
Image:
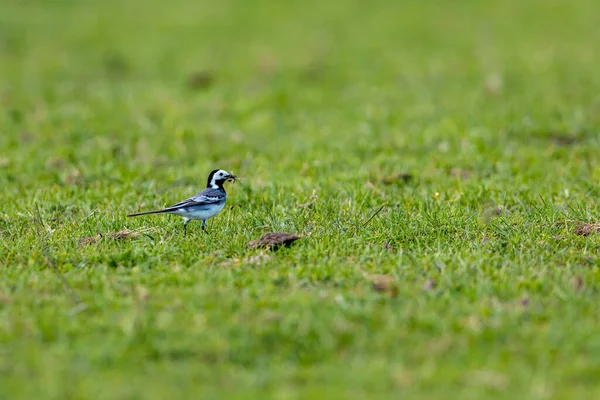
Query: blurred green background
[474, 124]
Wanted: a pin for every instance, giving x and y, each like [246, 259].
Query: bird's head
[217, 178]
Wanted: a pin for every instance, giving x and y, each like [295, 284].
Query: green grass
[112, 107]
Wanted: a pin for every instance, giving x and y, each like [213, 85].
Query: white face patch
[218, 176]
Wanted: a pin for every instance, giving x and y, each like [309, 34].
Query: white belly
[200, 213]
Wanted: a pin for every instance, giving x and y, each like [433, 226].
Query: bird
[202, 206]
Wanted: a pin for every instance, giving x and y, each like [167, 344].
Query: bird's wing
[207, 196]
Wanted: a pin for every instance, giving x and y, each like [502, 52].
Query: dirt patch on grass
[400, 177]
[491, 211]
[55, 162]
[429, 285]
[74, 178]
[460, 173]
[273, 241]
[124, 234]
[584, 229]
[384, 284]
[115, 65]
[563, 139]
[577, 283]
[200, 80]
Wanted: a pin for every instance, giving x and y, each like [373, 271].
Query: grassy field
[440, 160]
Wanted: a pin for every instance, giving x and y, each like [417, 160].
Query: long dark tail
[165, 211]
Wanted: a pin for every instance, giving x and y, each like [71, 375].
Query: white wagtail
[203, 205]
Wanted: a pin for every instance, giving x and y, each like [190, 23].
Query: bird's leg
[185, 223]
[204, 226]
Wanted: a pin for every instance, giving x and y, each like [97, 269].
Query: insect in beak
[232, 178]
